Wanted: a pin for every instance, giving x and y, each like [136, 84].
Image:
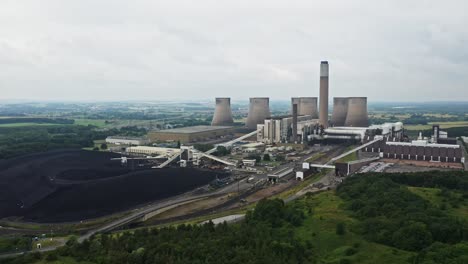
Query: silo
[357, 112]
[306, 106]
[323, 94]
[340, 110]
[259, 110]
[223, 114]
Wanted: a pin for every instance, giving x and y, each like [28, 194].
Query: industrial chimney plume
[223, 114]
[323, 94]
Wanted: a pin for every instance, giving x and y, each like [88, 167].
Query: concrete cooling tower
[340, 111]
[306, 106]
[323, 94]
[223, 114]
[357, 112]
[259, 110]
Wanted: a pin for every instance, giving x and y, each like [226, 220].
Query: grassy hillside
[320, 231]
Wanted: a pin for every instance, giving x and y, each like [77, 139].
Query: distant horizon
[26, 101]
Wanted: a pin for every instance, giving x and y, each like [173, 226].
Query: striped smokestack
[323, 114]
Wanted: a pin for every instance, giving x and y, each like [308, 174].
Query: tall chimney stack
[294, 123]
[323, 114]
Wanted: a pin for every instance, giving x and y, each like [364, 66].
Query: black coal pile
[74, 185]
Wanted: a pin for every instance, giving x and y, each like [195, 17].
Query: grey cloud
[387, 50]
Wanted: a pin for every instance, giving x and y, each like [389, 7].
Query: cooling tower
[306, 106]
[223, 114]
[259, 110]
[357, 112]
[323, 94]
[340, 111]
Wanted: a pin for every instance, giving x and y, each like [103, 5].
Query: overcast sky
[111, 49]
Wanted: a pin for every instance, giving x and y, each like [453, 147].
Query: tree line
[15, 141]
[265, 237]
[391, 214]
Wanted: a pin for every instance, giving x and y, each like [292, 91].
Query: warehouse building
[131, 141]
[191, 134]
[152, 151]
[422, 150]
[437, 148]
[391, 131]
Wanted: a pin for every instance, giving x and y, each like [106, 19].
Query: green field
[28, 124]
[93, 122]
[100, 123]
[443, 125]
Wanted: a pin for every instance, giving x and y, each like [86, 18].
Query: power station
[349, 121]
[259, 110]
[347, 111]
[223, 113]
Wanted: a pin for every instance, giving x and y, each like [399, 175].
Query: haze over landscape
[120, 50]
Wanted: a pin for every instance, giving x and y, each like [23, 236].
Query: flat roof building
[136, 141]
[191, 134]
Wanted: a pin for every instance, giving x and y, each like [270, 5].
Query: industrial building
[191, 134]
[393, 131]
[131, 141]
[259, 110]
[306, 106]
[280, 129]
[422, 149]
[152, 151]
[277, 175]
[223, 113]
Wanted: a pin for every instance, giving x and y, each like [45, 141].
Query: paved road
[11, 255]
